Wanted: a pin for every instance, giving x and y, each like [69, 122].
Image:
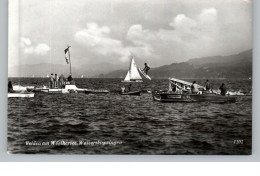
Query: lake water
[115, 124]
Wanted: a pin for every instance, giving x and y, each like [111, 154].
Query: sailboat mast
[70, 62]
[130, 64]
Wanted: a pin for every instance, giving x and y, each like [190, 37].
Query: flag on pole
[67, 56]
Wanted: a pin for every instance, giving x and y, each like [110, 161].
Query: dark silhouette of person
[146, 68]
[223, 89]
[207, 85]
[129, 87]
[70, 78]
[10, 87]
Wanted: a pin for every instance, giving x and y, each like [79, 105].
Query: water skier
[146, 68]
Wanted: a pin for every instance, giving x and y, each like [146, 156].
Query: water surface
[115, 124]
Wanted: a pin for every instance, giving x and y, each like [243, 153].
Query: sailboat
[132, 74]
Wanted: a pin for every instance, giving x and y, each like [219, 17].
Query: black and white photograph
[130, 77]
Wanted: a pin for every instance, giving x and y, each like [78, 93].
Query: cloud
[185, 34]
[97, 39]
[247, 1]
[182, 22]
[185, 37]
[28, 48]
[25, 42]
[208, 15]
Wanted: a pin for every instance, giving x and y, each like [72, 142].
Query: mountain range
[233, 66]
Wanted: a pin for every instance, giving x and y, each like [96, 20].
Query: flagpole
[70, 61]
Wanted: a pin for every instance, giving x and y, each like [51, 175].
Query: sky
[158, 32]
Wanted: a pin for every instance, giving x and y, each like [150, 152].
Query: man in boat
[194, 88]
[10, 87]
[52, 81]
[146, 68]
[56, 79]
[223, 89]
[61, 81]
[123, 89]
[207, 85]
[129, 87]
[70, 79]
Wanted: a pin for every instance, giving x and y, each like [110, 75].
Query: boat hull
[136, 93]
[20, 95]
[189, 98]
[96, 91]
[68, 89]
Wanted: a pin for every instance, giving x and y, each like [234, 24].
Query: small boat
[20, 95]
[136, 93]
[91, 91]
[189, 98]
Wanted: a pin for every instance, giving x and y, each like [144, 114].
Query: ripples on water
[143, 125]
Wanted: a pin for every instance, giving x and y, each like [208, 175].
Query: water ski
[145, 75]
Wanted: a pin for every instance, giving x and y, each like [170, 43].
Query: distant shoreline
[152, 78]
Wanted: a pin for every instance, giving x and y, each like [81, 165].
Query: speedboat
[181, 93]
[189, 98]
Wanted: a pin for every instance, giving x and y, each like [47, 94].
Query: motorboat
[179, 91]
[189, 98]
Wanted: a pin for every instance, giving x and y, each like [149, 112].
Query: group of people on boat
[60, 81]
[208, 89]
[194, 88]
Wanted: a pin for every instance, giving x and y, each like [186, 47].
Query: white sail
[133, 74]
[127, 78]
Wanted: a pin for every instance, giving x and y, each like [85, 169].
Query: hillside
[237, 66]
[234, 66]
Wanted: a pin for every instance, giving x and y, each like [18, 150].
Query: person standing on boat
[123, 89]
[56, 80]
[61, 81]
[207, 86]
[146, 68]
[194, 88]
[52, 81]
[70, 79]
[223, 89]
[129, 87]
